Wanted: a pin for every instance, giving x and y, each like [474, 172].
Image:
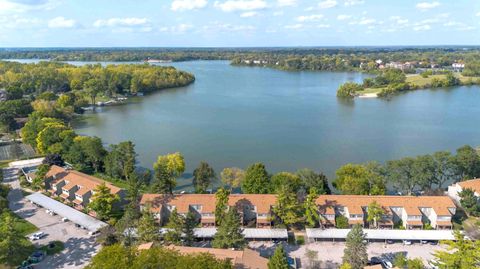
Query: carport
[380, 235]
[249, 233]
[75, 216]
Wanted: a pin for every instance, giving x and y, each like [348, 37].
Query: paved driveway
[79, 246]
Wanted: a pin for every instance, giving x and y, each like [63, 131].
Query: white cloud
[227, 27]
[294, 26]
[427, 5]
[177, 29]
[121, 22]
[460, 26]
[15, 6]
[343, 17]
[315, 17]
[366, 21]
[179, 5]
[424, 27]
[286, 3]
[327, 4]
[17, 22]
[323, 26]
[353, 2]
[399, 20]
[61, 22]
[241, 5]
[249, 14]
[278, 13]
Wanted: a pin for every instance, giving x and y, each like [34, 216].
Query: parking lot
[330, 253]
[79, 246]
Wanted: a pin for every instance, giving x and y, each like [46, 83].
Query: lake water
[235, 116]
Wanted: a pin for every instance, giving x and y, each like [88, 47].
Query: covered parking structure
[87, 222]
[379, 235]
[254, 234]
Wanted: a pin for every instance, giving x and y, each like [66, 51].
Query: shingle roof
[411, 204]
[182, 202]
[473, 184]
[74, 178]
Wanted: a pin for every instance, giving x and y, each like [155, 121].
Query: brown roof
[85, 182]
[473, 184]
[182, 202]
[248, 259]
[411, 204]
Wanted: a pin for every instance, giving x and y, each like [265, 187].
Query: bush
[300, 240]
[348, 90]
[341, 222]
[53, 247]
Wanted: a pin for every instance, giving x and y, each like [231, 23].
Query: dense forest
[329, 58]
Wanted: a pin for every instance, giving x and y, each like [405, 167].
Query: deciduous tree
[103, 201]
[355, 252]
[232, 177]
[203, 176]
[256, 179]
[167, 169]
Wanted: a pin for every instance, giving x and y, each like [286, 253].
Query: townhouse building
[255, 209]
[455, 189]
[76, 187]
[411, 212]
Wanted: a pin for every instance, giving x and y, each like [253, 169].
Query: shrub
[348, 90]
[300, 240]
[341, 222]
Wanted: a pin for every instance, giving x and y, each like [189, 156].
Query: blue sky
[226, 23]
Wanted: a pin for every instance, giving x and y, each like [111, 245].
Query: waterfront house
[255, 209]
[455, 189]
[411, 212]
[75, 187]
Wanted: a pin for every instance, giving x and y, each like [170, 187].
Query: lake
[235, 116]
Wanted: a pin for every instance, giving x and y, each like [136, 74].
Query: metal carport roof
[383, 234]
[75, 216]
[249, 233]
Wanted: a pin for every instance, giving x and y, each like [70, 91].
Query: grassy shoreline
[419, 82]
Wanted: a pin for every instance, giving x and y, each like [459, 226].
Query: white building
[456, 188]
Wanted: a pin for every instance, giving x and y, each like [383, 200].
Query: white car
[407, 242]
[37, 236]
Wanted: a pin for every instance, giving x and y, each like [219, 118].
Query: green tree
[349, 89]
[229, 233]
[232, 177]
[285, 179]
[256, 179]
[175, 225]
[221, 204]
[287, 208]
[445, 167]
[375, 213]
[147, 227]
[103, 201]
[461, 253]
[468, 162]
[355, 252]
[54, 138]
[310, 180]
[203, 176]
[120, 161]
[278, 259]
[341, 222]
[114, 256]
[401, 261]
[87, 154]
[38, 182]
[470, 203]
[167, 169]
[10, 239]
[401, 173]
[311, 209]
[358, 179]
[188, 229]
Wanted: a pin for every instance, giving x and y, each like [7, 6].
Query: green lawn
[24, 227]
[421, 82]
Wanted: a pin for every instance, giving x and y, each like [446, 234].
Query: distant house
[76, 187]
[255, 209]
[458, 67]
[412, 212]
[455, 189]
[399, 65]
[3, 95]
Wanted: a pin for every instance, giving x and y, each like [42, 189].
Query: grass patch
[117, 182]
[4, 163]
[24, 227]
[53, 247]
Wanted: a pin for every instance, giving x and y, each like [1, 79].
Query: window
[414, 217]
[330, 216]
[444, 218]
[262, 215]
[79, 197]
[207, 215]
[197, 207]
[356, 216]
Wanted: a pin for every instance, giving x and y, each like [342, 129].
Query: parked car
[37, 236]
[390, 242]
[64, 219]
[37, 256]
[407, 242]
